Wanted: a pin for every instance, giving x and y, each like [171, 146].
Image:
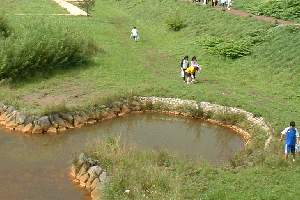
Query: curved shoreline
[58, 122]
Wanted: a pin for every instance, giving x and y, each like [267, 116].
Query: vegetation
[87, 5]
[159, 175]
[5, 29]
[175, 22]
[282, 9]
[41, 47]
[263, 79]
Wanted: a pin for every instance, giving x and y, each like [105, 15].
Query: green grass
[12, 7]
[150, 67]
[265, 82]
[281, 9]
[159, 175]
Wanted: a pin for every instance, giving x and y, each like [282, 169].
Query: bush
[43, 48]
[5, 29]
[284, 9]
[234, 48]
[175, 22]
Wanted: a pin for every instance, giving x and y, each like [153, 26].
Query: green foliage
[5, 29]
[175, 22]
[282, 9]
[87, 5]
[41, 47]
[233, 48]
[55, 108]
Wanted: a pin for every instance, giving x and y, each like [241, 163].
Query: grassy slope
[265, 82]
[252, 5]
[30, 7]
[156, 175]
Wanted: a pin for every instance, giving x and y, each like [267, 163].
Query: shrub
[284, 9]
[234, 48]
[175, 22]
[87, 5]
[5, 29]
[43, 48]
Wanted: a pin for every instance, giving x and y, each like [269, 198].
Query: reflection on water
[35, 167]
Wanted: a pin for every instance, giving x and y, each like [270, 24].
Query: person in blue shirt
[291, 139]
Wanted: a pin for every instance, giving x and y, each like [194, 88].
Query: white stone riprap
[89, 175]
[72, 9]
[59, 122]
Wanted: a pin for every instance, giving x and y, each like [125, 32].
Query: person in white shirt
[229, 3]
[135, 34]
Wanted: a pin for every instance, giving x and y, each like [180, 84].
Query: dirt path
[72, 9]
[242, 13]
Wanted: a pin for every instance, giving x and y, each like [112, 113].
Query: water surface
[36, 167]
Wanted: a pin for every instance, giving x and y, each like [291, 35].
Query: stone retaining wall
[59, 122]
[88, 174]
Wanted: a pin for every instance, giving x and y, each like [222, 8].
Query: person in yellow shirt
[190, 71]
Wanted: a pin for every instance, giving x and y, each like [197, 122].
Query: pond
[35, 167]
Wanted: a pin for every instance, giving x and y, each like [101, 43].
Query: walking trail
[72, 9]
[242, 13]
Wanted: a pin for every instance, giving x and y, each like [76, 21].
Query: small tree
[87, 5]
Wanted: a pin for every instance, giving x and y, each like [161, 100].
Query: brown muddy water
[36, 167]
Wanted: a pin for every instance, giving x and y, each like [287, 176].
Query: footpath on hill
[241, 13]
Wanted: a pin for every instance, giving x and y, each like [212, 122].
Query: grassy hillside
[281, 9]
[265, 81]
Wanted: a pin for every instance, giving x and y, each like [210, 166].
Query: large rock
[95, 183]
[79, 120]
[20, 118]
[37, 129]
[44, 123]
[95, 171]
[82, 170]
[67, 117]
[28, 128]
[96, 193]
[83, 179]
[103, 177]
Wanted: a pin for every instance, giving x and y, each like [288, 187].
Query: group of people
[188, 69]
[224, 3]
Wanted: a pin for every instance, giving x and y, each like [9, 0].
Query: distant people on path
[184, 64]
[291, 140]
[229, 4]
[135, 34]
[214, 3]
[223, 4]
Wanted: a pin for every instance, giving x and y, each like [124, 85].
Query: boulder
[82, 170]
[20, 118]
[44, 123]
[52, 130]
[83, 179]
[28, 128]
[95, 171]
[67, 117]
[103, 177]
[82, 158]
[96, 193]
[37, 129]
[79, 120]
[125, 110]
[73, 171]
[95, 183]
[11, 125]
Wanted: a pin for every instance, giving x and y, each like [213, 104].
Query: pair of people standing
[188, 70]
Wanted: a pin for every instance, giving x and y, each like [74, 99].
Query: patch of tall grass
[41, 47]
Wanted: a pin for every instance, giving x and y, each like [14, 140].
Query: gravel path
[72, 9]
